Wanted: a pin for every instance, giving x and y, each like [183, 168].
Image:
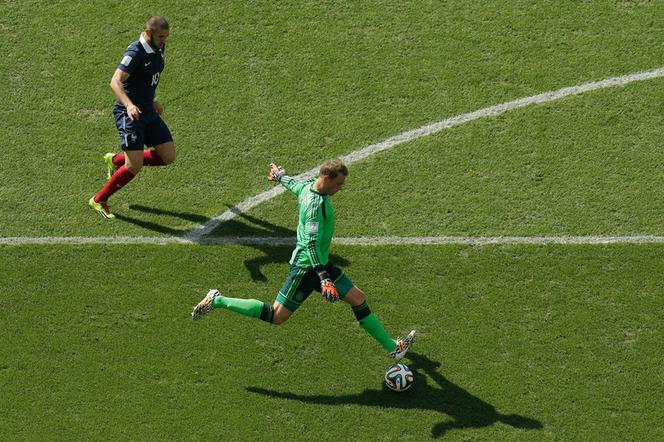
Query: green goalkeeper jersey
[315, 225]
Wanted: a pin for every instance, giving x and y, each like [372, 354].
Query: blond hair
[333, 168]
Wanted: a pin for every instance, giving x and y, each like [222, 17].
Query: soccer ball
[398, 377]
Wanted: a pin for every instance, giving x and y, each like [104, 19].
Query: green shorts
[302, 281]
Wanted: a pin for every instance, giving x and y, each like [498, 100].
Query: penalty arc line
[200, 231]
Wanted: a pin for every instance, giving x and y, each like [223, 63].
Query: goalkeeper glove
[327, 288]
[276, 173]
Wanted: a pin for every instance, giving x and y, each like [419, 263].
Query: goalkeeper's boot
[403, 344]
[205, 306]
[101, 208]
[110, 167]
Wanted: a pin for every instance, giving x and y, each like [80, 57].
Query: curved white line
[248, 204]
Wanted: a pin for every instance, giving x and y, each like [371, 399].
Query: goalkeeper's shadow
[243, 225]
[277, 253]
[464, 409]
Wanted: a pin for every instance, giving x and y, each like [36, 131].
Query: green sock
[247, 307]
[369, 322]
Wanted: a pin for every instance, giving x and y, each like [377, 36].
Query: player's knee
[277, 320]
[280, 313]
[355, 297]
[167, 152]
[169, 158]
[134, 168]
[280, 316]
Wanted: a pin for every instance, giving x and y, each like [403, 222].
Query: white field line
[358, 155]
[359, 241]
[197, 235]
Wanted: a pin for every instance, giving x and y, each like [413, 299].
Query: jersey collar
[146, 45]
[313, 189]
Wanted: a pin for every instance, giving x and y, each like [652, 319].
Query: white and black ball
[398, 377]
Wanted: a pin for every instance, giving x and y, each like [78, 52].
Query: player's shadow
[464, 409]
[252, 228]
[191, 217]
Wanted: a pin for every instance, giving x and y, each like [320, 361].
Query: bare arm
[119, 77]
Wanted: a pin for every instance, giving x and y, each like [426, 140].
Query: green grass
[249, 82]
[515, 342]
[567, 338]
[583, 166]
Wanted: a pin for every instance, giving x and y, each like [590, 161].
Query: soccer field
[462, 122]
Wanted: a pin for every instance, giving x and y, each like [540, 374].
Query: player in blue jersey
[137, 113]
[310, 266]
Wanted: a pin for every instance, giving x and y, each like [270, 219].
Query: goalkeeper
[310, 268]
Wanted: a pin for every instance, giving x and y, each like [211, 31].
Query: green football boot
[101, 208]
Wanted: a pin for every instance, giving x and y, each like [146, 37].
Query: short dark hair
[155, 23]
[333, 168]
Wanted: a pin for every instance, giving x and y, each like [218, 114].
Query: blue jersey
[144, 65]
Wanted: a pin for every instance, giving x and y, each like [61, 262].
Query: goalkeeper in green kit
[310, 268]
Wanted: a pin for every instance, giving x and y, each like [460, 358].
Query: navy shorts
[149, 130]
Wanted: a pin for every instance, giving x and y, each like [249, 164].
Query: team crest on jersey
[312, 227]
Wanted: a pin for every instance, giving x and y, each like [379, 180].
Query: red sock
[119, 179]
[119, 160]
[152, 158]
